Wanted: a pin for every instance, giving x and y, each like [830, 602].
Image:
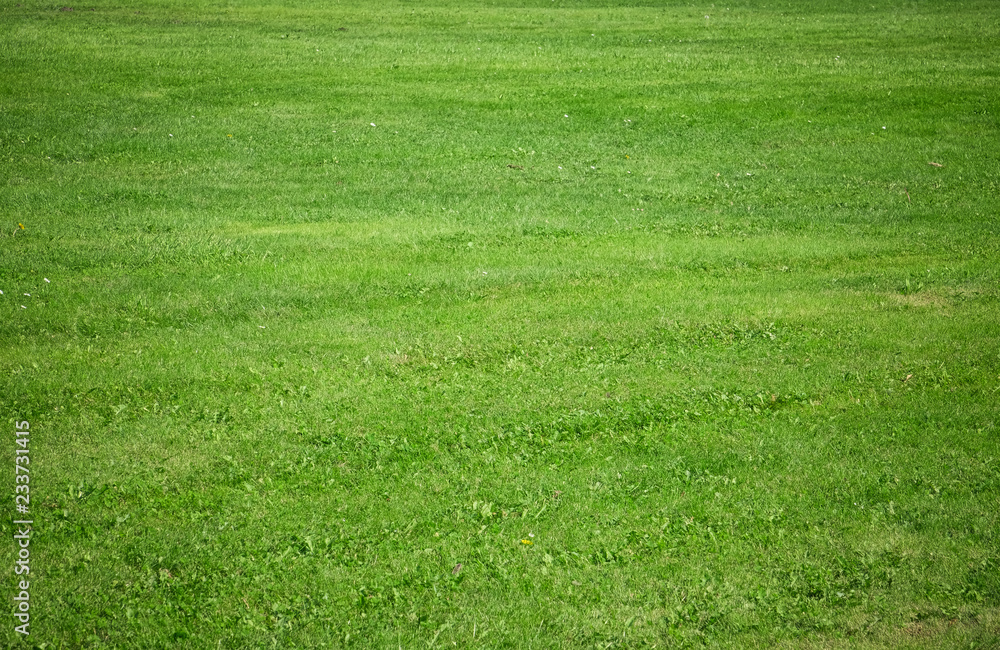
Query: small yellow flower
[527, 542]
[21, 225]
[229, 135]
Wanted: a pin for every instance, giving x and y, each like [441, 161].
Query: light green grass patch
[537, 324]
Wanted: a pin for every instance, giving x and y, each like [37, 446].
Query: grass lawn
[577, 324]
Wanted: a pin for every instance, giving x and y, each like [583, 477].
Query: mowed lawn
[575, 324]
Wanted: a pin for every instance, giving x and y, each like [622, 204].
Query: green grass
[633, 326]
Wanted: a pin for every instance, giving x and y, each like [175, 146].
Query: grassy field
[503, 324]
